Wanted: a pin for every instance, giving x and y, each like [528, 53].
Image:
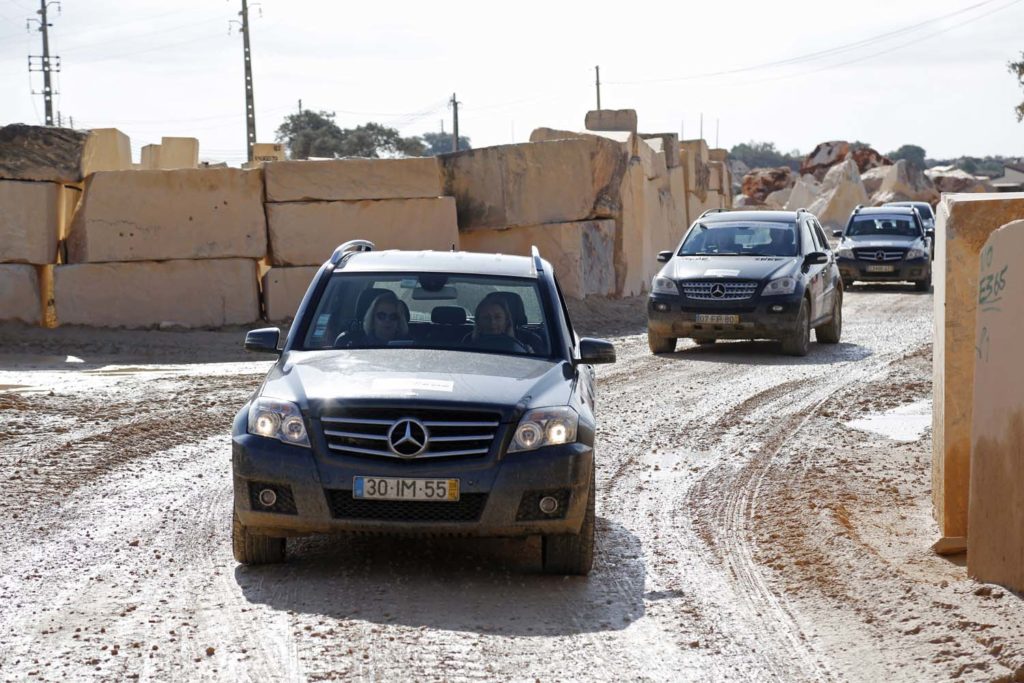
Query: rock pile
[762, 182]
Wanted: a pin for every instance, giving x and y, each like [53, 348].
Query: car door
[815, 277]
[585, 385]
[830, 271]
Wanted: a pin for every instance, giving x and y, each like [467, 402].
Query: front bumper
[771, 317]
[912, 270]
[494, 492]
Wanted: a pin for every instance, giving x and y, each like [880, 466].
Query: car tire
[253, 549]
[924, 285]
[830, 332]
[705, 342]
[659, 344]
[799, 342]
[847, 284]
[572, 553]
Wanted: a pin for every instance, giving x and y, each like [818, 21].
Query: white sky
[170, 68]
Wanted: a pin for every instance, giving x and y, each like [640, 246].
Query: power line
[810, 56]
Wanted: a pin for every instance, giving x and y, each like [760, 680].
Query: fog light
[661, 307]
[777, 309]
[548, 505]
[267, 498]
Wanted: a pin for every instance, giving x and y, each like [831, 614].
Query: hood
[313, 379]
[880, 241]
[742, 267]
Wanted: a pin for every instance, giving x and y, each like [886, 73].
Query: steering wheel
[500, 342]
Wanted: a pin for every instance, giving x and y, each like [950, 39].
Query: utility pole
[300, 106]
[454, 104]
[45, 63]
[597, 72]
[250, 106]
[701, 136]
[716, 133]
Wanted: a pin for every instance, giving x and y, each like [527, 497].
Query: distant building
[1012, 179]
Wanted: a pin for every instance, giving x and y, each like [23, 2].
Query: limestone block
[652, 157]
[964, 222]
[269, 151]
[718, 154]
[716, 180]
[802, 195]
[20, 297]
[995, 551]
[957, 180]
[872, 178]
[163, 215]
[59, 154]
[694, 154]
[178, 153]
[824, 157]
[344, 179]
[669, 146]
[779, 198]
[841, 192]
[582, 253]
[904, 182]
[70, 198]
[283, 289]
[151, 157]
[307, 233]
[108, 149]
[30, 215]
[544, 182]
[204, 293]
[611, 119]
[680, 217]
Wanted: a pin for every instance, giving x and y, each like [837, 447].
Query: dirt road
[746, 529]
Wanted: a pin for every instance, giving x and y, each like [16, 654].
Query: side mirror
[664, 256]
[815, 258]
[263, 340]
[930, 232]
[595, 351]
[837, 233]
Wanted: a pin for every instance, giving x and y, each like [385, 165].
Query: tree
[310, 134]
[912, 153]
[314, 134]
[441, 143]
[1017, 69]
[763, 155]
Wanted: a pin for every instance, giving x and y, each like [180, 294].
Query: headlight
[782, 285]
[545, 427]
[663, 285]
[845, 252]
[915, 253]
[278, 420]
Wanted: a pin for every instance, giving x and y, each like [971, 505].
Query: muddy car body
[441, 430]
[747, 275]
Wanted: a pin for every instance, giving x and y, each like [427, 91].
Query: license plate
[881, 269]
[717, 319]
[392, 488]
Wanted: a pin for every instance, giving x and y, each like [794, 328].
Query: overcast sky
[795, 72]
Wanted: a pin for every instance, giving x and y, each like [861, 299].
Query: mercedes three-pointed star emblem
[718, 290]
[408, 437]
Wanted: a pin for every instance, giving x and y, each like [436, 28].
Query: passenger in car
[386, 320]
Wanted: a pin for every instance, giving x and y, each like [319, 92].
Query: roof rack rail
[858, 208]
[348, 248]
[538, 265]
[718, 210]
[802, 210]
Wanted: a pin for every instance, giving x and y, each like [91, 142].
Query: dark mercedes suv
[422, 392]
[886, 244]
[748, 275]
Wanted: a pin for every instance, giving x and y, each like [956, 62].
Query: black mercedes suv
[422, 392]
[748, 275]
[886, 244]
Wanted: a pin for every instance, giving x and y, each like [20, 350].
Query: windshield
[902, 226]
[740, 239]
[431, 311]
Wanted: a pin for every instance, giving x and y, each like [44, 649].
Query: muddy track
[726, 481]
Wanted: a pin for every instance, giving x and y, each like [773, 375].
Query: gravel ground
[746, 529]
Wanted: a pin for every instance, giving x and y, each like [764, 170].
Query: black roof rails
[718, 210]
[802, 210]
[348, 248]
[538, 265]
[858, 208]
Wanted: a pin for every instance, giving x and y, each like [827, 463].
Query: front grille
[467, 509]
[879, 255]
[449, 433]
[284, 505]
[718, 290]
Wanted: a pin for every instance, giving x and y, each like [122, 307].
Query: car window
[740, 239]
[926, 211]
[807, 244]
[896, 225]
[430, 310]
[821, 239]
